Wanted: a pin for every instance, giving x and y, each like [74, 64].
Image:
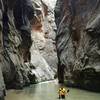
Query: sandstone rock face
[27, 43]
[77, 42]
[43, 46]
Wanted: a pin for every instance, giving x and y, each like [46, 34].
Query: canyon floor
[48, 91]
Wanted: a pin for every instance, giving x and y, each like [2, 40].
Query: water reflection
[48, 91]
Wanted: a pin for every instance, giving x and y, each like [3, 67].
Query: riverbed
[49, 91]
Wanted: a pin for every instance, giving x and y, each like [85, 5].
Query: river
[48, 91]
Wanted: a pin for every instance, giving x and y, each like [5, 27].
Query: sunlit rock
[43, 51]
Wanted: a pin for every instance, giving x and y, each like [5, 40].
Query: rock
[2, 85]
[23, 37]
[77, 42]
[12, 65]
[42, 70]
[43, 37]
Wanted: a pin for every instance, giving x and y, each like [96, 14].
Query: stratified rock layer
[77, 42]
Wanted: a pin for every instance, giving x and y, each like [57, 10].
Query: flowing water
[48, 91]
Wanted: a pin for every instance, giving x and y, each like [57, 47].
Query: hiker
[62, 92]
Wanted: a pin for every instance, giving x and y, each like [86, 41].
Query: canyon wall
[27, 44]
[77, 42]
[43, 36]
[2, 85]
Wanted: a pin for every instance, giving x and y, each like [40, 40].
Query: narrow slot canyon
[48, 44]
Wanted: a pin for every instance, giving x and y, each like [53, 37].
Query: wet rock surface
[77, 42]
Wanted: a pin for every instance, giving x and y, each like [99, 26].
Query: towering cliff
[77, 42]
[27, 43]
[43, 37]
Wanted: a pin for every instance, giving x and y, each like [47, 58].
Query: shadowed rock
[77, 42]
